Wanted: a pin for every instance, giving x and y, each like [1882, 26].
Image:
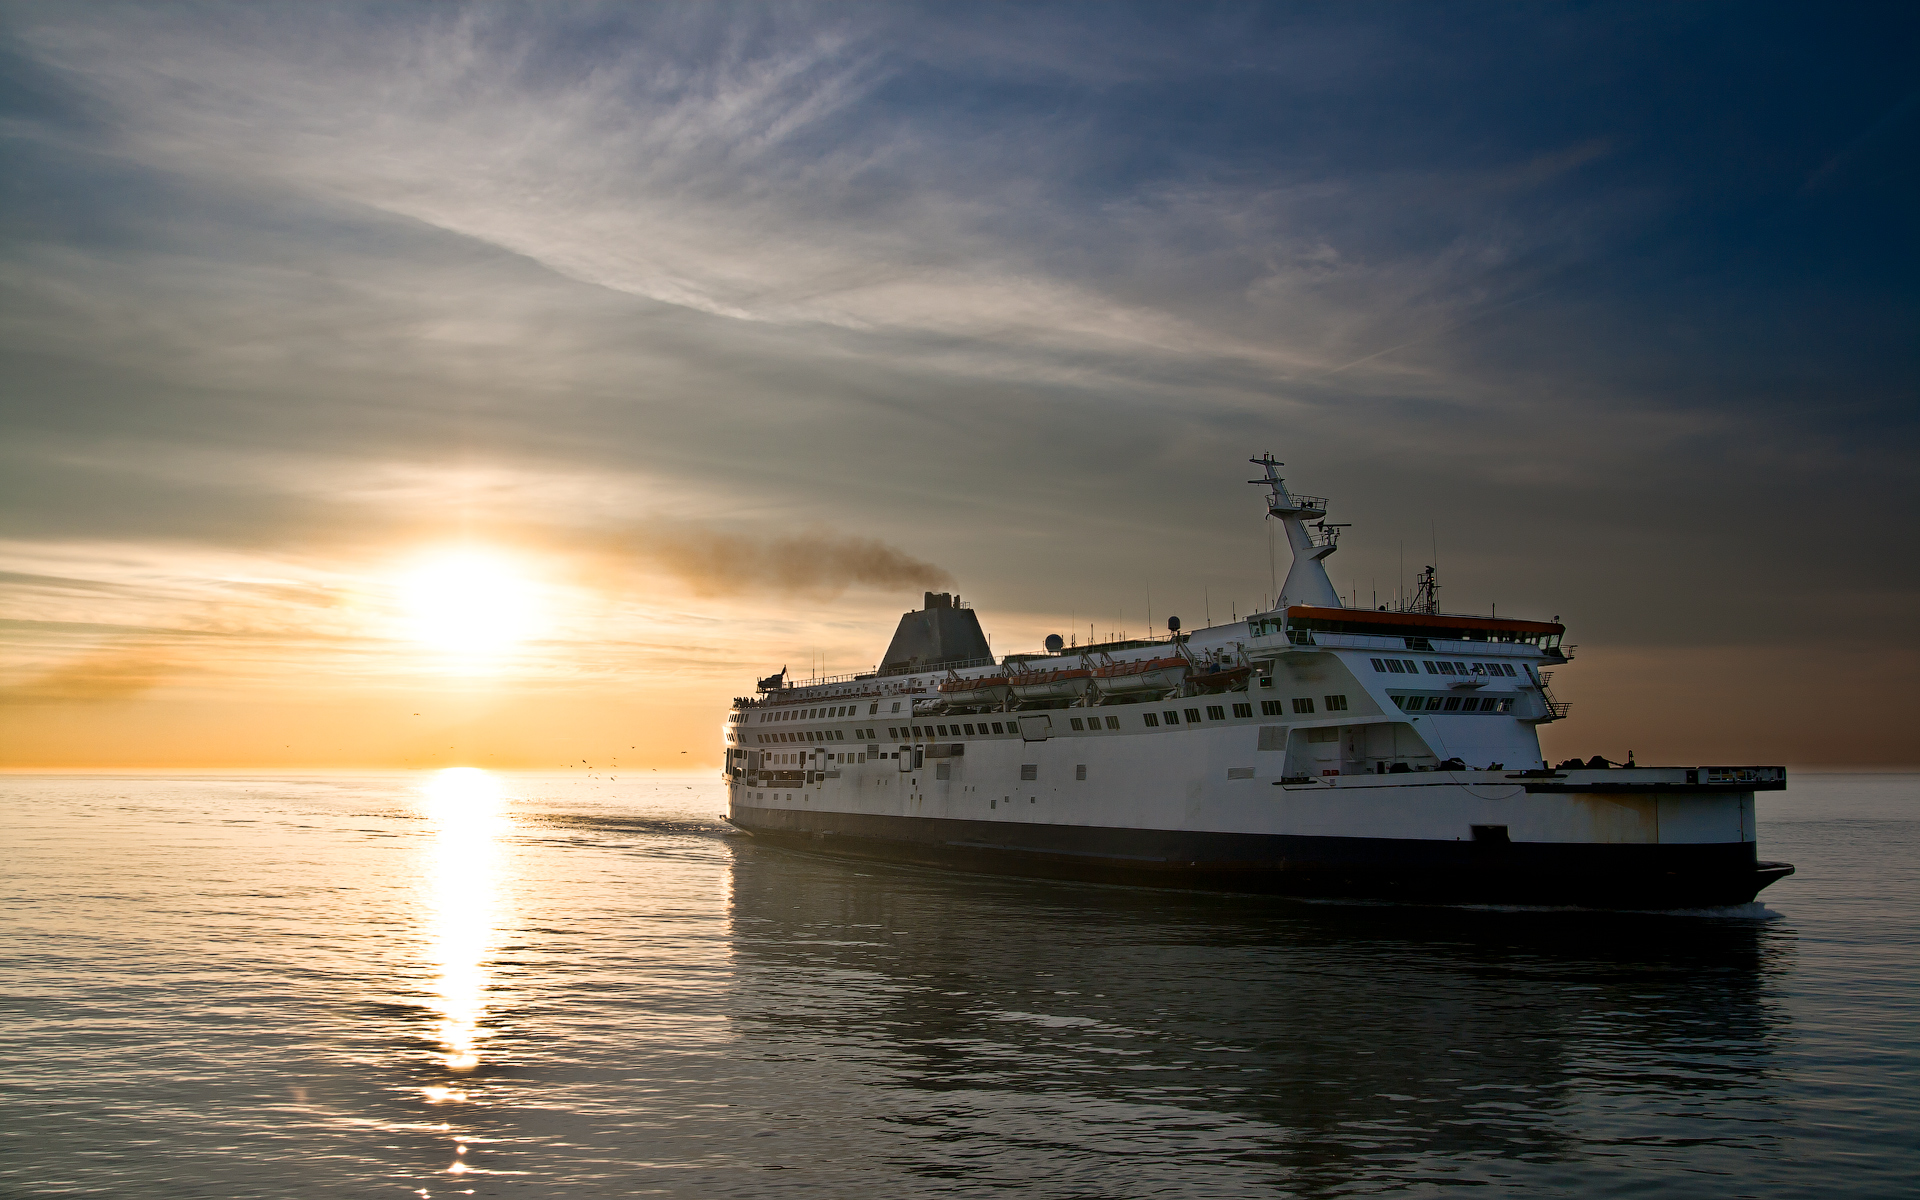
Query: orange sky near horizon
[463, 654]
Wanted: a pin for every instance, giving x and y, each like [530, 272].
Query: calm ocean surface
[521, 985]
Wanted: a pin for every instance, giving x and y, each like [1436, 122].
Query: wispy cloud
[120, 674]
[744, 168]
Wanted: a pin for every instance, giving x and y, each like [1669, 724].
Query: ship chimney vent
[939, 634]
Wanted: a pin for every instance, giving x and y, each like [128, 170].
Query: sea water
[585, 985]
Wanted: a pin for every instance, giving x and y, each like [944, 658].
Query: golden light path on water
[465, 806]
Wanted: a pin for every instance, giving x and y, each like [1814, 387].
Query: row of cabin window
[822, 714]
[797, 757]
[1464, 704]
[1302, 704]
[816, 735]
[1215, 712]
[1406, 666]
[927, 731]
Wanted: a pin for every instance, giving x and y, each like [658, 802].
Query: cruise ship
[1316, 750]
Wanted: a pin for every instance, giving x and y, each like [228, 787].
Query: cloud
[748, 166]
[119, 674]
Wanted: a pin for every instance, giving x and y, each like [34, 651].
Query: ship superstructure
[1314, 749]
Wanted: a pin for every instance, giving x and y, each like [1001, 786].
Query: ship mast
[1307, 581]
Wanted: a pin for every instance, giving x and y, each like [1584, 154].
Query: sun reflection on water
[464, 804]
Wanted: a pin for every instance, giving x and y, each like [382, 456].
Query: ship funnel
[940, 635]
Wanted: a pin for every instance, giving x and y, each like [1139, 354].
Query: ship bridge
[1301, 621]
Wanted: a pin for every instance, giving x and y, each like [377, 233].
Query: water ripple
[500, 985]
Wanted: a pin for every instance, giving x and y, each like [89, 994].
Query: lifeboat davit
[1141, 675]
[1070, 683]
[982, 689]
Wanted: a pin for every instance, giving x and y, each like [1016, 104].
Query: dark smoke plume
[715, 563]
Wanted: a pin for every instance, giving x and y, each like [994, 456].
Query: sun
[469, 602]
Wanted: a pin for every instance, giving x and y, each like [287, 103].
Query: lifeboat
[1141, 675]
[1219, 679]
[1069, 683]
[981, 689]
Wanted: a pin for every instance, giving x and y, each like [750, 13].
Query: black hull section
[1625, 876]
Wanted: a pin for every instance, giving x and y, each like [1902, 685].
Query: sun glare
[464, 804]
[468, 602]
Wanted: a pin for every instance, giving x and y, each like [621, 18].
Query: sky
[510, 385]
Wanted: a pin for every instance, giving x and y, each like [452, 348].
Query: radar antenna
[1426, 597]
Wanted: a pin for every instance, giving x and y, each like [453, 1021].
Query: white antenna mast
[1307, 581]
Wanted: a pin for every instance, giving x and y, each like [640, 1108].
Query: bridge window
[1216, 712]
[1076, 723]
[1336, 703]
[1149, 720]
[1271, 708]
[1193, 715]
[1171, 717]
[996, 727]
[1113, 722]
[1302, 704]
[1243, 710]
